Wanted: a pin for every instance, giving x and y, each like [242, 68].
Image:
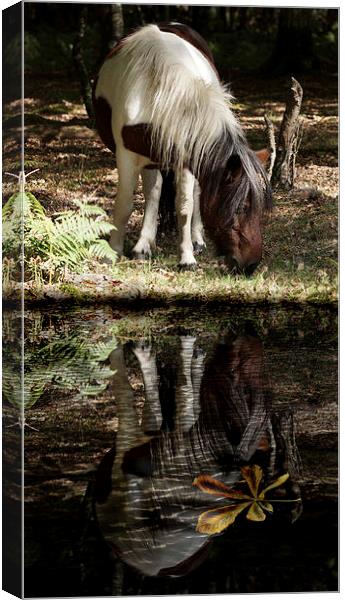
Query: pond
[173, 452]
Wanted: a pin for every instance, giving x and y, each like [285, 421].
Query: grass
[159, 281]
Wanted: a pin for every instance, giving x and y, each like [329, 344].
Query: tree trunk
[117, 24]
[288, 139]
[141, 16]
[243, 19]
[79, 62]
[294, 47]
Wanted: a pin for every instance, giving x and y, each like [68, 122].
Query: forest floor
[300, 237]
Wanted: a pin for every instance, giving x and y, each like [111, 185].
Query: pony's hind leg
[184, 209]
[128, 173]
[152, 186]
[197, 227]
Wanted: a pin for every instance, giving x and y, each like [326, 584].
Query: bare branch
[271, 145]
[288, 140]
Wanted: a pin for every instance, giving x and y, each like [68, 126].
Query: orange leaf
[253, 476]
[255, 513]
[267, 506]
[216, 520]
[275, 484]
[208, 484]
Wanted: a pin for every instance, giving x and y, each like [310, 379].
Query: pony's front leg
[128, 173]
[129, 430]
[152, 414]
[197, 227]
[152, 187]
[184, 209]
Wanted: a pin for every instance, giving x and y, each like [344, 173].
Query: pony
[160, 104]
[210, 414]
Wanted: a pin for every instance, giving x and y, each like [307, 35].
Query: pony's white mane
[187, 114]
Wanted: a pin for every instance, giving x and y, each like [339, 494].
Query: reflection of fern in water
[74, 364]
[53, 247]
[84, 371]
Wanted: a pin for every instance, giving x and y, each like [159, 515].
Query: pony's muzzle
[236, 269]
[248, 271]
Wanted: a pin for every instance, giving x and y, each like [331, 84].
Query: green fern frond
[69, 240]
[21, 205]
[102, 249]
[89, 210]
[82, 227]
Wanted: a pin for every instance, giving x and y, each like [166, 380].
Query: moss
[74, 292]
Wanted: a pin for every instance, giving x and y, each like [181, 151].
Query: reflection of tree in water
[205, 414]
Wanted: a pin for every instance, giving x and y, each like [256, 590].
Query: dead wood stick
[284, 171]
[271, 145]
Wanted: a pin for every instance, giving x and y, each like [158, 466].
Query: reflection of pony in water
[160, 105]
[146, 506]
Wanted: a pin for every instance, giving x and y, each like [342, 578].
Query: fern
[69, 242]
[101, 249]
[22, 205]
[89, 210]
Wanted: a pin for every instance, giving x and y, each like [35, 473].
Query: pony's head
[232, 214]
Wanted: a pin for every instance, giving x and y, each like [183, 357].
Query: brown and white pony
[160, 105]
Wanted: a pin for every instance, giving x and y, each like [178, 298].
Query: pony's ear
[263, 156]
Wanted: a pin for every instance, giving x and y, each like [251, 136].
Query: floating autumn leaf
[217, 519]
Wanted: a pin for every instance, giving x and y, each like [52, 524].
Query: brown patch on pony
[137, 138]
[116, 48]
[103, 119]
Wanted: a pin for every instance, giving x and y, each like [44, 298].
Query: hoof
[198, 352]
[141, 255]
[106, 261]
[142, 346]
[187, 267]
[198, 248]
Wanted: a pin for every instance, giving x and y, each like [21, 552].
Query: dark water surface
[125, 411]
